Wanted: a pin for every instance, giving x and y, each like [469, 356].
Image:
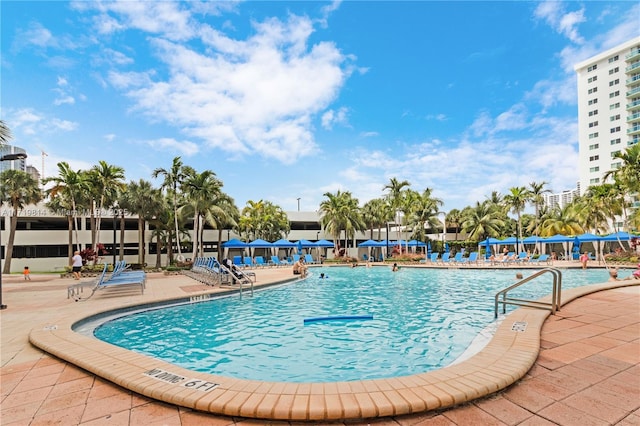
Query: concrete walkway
[587, 371]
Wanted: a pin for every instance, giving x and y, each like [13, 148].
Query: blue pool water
[423, 319]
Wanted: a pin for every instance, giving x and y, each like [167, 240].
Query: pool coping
[505, 359]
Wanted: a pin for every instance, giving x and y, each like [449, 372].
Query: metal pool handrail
[555, 295]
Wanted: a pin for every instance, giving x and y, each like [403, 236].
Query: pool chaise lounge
[120, 278]
[503, 361]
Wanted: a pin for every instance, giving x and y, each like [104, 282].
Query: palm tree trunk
[196, 234]
[13, 224]
[175, 220]
[158, 251]
[219, 244]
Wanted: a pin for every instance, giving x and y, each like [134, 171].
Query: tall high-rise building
[608, 110]
[20, 164]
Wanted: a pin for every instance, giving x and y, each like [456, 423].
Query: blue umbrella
[259, 243]
[283, 243]
[235, 243]
[446, 247]
[324, 243]
[299, 247]
[487, 249]
[576, 248]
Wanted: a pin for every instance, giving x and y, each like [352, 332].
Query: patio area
[586, 372]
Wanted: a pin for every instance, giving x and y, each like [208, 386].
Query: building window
[592, 113]
[614, 82]
[614, 70]
[613, 59]
[615, 141]
[592, 79]
[594, 180]
[592, 68]
[614, 106]
[615, 117]
[616, 166]
[593, 101]
[593, 124]
[593, 90]
[594, 158]
[594, 146]
[593, 135]
[615, 129]
[594, 169]
[614, 153]
[614, 94]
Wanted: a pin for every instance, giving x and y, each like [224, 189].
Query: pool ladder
[555, 294]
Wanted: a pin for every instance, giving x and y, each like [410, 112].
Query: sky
[286, 101]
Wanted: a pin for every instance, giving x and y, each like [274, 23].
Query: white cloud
[565, 23]
[254, 96]
[30, 122]
[437, 117]
[185, 148]
[34, 35]
[110, 137]
[170, 19]
[333, 117]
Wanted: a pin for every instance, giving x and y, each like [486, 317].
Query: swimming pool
[423, 319]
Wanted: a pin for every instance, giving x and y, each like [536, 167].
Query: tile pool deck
[581, 366]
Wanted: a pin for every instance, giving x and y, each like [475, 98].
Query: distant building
[13, 164]
[561, 199]
[35, 174]
[608, 110]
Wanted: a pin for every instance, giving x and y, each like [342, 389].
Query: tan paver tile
[98, 408]
[469, 414]
[153, 413]
[504, 410]
[63, 416]
[563, 414]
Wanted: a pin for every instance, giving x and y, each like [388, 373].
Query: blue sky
[287, 100]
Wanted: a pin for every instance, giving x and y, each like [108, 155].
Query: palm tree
[263, 220]
[17, 188]
[628, 174]
[537, 191]
[340, 211]
[394, 197]
[223, 214]
[454, 218]
[200, 189]
[5, 133]
[69, 189]
[561, 221]
[107, 181]
[601, 204]
[173, 179]
[141, 199]
[516, 200]
[482, 221]
[425, 212]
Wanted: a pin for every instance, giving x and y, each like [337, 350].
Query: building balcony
[634, 130]
[634, 118]
[634, 80]
[635, 53]
[632, 68]
[633, 92]
[635, 105]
